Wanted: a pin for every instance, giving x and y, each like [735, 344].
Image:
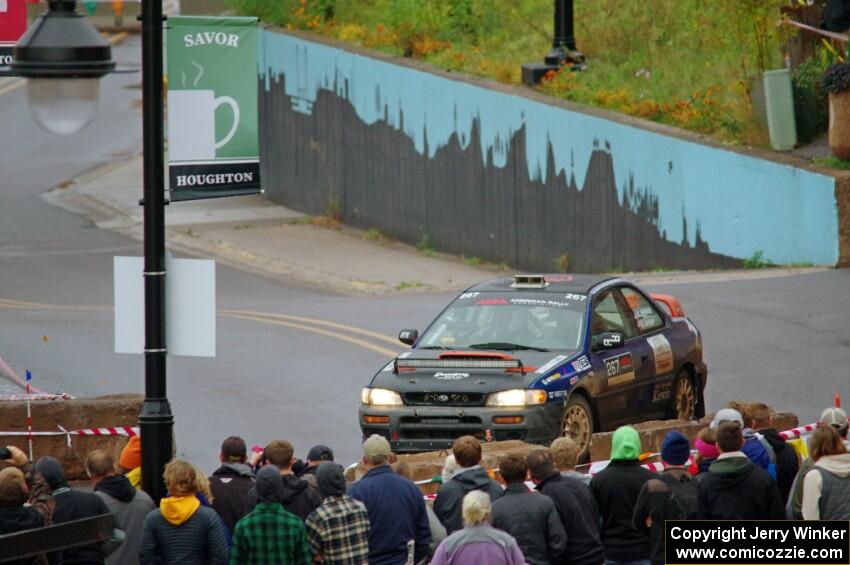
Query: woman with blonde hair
[826, 487]
[478, 541]
[182, 531]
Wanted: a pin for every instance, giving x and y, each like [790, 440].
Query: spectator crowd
[272, 508]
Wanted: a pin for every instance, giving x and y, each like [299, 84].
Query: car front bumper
[430, 428]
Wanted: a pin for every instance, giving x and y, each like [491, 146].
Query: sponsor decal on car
[555, 394]
[466, 295]
[573, 380]
[662, 391]
[571, 296]
[492, 302]
[619, 369]
[551, 364]
[552, 378]
[581, 364]
[450, 376]
[663, 353]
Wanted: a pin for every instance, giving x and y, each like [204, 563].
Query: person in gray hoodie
[469, 476]
[128, 504]
[826, 487]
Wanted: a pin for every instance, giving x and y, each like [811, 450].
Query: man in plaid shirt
[338, 530]
[269, 534]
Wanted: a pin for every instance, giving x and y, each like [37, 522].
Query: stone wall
[82, 413]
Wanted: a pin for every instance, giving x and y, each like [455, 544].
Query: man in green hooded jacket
[616, 490]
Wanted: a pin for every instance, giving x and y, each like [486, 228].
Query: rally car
[535, 357]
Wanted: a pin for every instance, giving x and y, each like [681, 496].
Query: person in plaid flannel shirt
[338, 530]
[270, 534]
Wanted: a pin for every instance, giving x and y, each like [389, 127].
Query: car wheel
[684, 397]
[578, 424]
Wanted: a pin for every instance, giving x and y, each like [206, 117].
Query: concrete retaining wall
[83, 413]
[508, 175]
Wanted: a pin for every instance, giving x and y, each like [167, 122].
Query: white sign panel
[189, 312]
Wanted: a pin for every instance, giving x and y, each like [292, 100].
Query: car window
[646, 315]
[547, 321]
[610, 314]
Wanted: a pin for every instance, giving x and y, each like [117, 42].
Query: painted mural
[485, 173]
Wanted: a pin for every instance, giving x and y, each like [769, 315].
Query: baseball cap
[320, 453]
[376, 445]
[727, 415]
[835, 417]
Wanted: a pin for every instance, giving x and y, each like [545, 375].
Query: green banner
[213, 143]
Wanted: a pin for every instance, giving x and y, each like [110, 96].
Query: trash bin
[779, 98]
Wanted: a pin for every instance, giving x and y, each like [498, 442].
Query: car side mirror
[607, 340]
[408, 337]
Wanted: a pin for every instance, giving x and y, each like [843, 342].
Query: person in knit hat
[670, 496]
[338, 530]
[130, 462]
[707, 452]
[616, 489]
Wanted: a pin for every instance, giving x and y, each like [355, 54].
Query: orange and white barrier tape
[126, 431]
[10, 374]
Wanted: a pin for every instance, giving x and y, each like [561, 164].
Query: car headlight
[517, 397]
[380, 397]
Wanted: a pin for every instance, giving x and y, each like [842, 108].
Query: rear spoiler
[673, 306]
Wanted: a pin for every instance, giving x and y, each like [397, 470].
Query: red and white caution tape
[797, 432]
[18, 397]
[126, 431]
[10, 374]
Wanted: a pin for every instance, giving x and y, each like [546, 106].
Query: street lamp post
[563, 52]
[156, 422]
[62, 57]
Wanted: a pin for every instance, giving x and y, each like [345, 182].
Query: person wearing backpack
[671, 496]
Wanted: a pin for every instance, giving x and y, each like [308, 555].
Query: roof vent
[529, 281]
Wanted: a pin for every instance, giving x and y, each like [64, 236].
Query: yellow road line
[352, 329]
[14, 86]
[113, 39]
[261, 317]
[326, 333]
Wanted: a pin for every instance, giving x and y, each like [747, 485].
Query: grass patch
[757, 261]
[426, 247]
[472, 261]
[833, 162]
[679, 62]
[404, 285]
[376, 235]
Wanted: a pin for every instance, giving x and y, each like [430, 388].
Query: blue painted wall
[740, 203]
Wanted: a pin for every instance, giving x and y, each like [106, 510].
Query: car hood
[456, 371]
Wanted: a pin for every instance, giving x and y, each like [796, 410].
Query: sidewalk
[254, 234]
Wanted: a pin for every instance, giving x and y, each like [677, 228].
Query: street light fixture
[63, 57]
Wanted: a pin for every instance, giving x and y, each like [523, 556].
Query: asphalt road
[784, 341]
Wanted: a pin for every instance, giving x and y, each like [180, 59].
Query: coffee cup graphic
[191, 124]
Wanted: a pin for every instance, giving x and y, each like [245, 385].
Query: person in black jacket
[232, 482]
[74, 505]
[616, 490]
[671, 496]
[470, 476]
[297, 495]
[576, 508]
[734, 488]
[786, 458]
[530, 517]
[25, 504]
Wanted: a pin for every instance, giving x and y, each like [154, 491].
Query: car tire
[685, 401]
[577, 424]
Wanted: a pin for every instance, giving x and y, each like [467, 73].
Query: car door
[621, 397]
[657, 374]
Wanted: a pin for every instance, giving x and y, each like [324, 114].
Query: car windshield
[509, 321]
